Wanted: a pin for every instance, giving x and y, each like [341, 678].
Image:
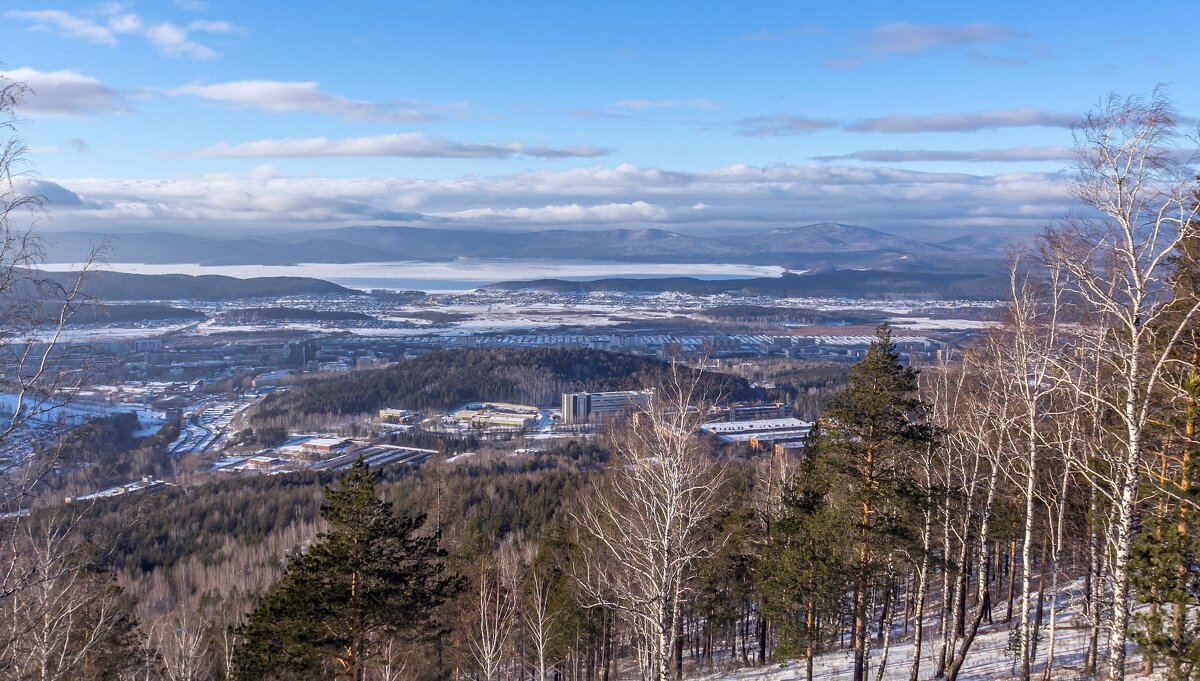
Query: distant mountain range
[985, 284]
[104, 285]
[823, 245]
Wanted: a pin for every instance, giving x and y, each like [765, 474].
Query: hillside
[134, 313]
[448, 378]
[828, 284]
[290, 314]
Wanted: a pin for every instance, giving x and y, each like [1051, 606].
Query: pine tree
[806, 569]
[368, 580]
[1164, 576]
[868, 438]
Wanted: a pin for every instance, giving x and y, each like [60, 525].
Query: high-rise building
[585, 407]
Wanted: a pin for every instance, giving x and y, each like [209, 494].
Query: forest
[253, 315]
[446, 379]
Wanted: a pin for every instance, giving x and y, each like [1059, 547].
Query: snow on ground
[988, 660]
[930, 324]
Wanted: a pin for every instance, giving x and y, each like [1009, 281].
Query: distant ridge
[983, 285]
[820, 245]
[104, 285]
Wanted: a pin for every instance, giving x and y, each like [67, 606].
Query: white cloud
[635, 104]
[406, 145]
[168, 39]
[573, 213]
[63, 93]
[781, 124]
[727, 197]
[67, 24]
[173, 41]
[902, 37]
[965, 121]
[906, 38]
[212, 26]
[291, 96]
[1056, 152]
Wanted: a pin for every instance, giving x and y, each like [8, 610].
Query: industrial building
[146, 484]
[586, 407]
[325, 445]
[498, 415]
[754, 412]
[398, 416]
[761, 434]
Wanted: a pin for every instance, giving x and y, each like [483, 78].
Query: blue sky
[921, 118]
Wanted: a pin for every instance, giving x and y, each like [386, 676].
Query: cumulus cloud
[734, 196]
[291, 96]
[964, 121]
[63, 93]
[781, 124]
[406, 145]
[898, 38]
[1043, 153]
[167, 38]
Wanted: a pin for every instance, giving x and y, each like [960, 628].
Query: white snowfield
[990, 658]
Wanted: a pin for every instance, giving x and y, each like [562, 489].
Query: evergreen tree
[807, 569]
[868, 437]
[367, 580]
[1165, 577]
[1166, 552]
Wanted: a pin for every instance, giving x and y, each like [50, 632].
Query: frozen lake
[456, 275]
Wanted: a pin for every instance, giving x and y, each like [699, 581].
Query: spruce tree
[868, 437]
[370, 578]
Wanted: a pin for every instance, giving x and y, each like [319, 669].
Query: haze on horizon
[212, 117]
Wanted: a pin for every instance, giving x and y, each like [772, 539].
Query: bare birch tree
[495, 619]
[66, 614]
[35, 309]
[539, 621]
[644, 530]
[181, 640]
[1139, 194]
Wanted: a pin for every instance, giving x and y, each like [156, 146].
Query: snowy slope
[988, 660]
